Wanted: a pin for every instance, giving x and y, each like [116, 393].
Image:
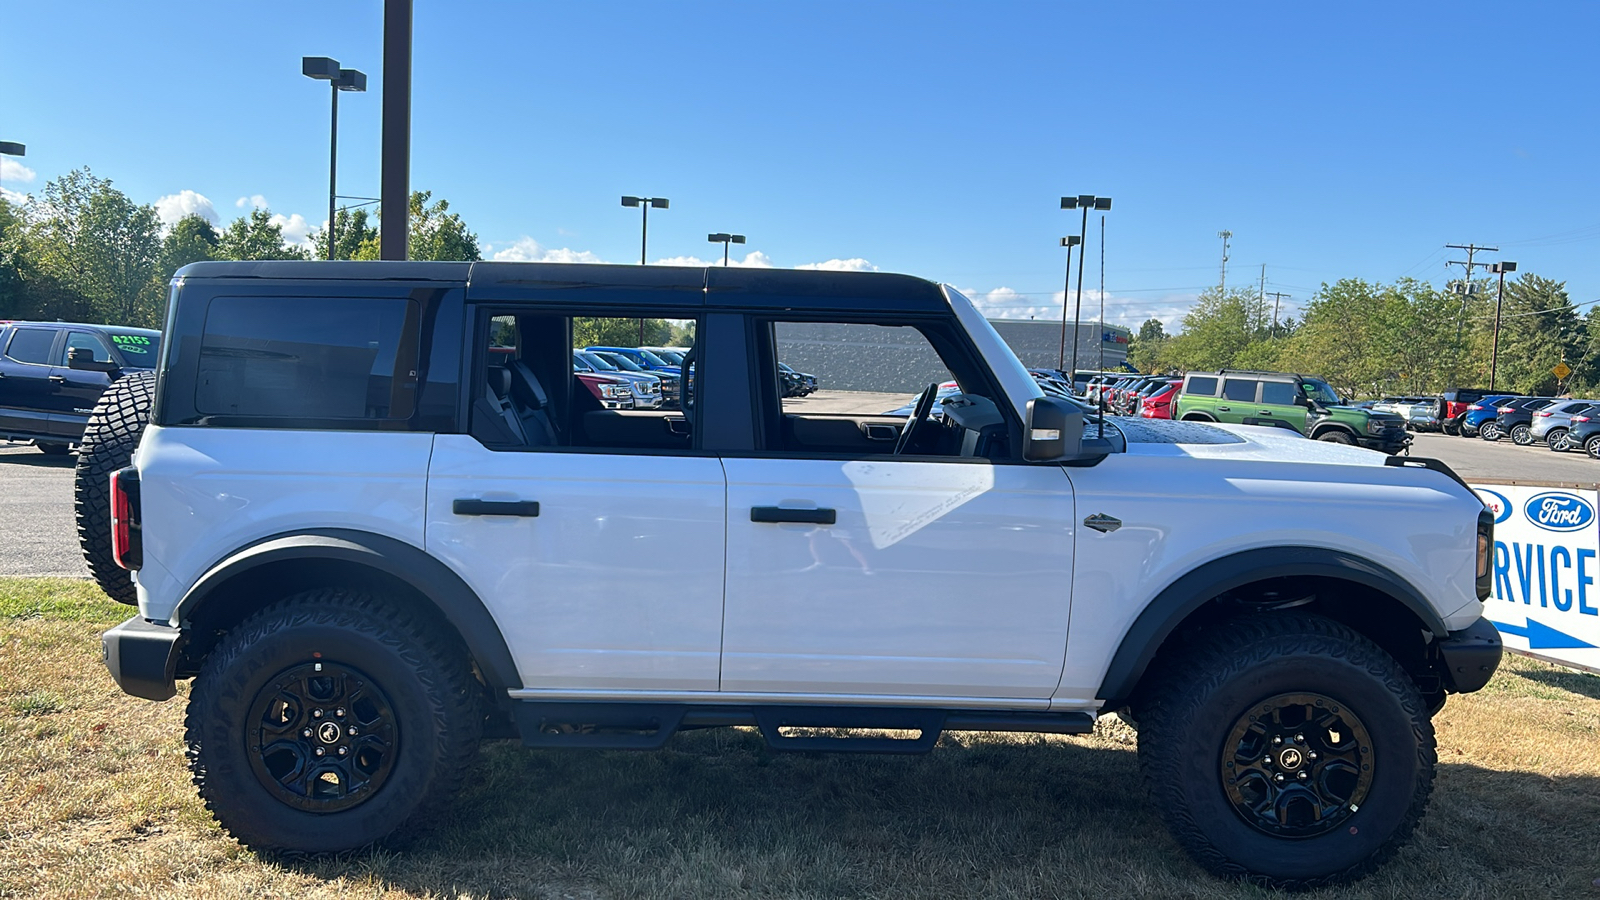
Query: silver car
[1552, 423]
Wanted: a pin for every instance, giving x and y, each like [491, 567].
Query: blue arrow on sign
[1542, 637]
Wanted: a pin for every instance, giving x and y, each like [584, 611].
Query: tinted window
[1278, 393]
[1201, 387]
[31, 345]
[83, 340]
[138, 349]
[1242, 389]
[308, 358]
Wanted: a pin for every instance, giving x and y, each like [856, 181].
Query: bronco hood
[1204, 440]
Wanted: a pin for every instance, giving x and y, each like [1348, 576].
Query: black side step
[1041, 722]
[609, 726]
[930, 722]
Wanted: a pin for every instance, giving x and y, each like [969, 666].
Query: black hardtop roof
[653, 285]
[1254, 373]
[87, 326]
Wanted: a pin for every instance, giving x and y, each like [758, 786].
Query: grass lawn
[95, 801]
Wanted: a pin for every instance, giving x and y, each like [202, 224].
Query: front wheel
[1287, 750]
[1592, 447]
[1521, 435]
[1557, 440]
[327, 720]
[1336, 437]
[1489, 431]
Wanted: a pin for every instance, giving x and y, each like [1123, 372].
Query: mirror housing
[1053, 431]
[82, 358]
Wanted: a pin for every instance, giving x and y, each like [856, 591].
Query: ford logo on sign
[1497, 504]
[1556, 511]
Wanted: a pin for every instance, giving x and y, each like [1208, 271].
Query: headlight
[613, 391]
[1375, 426]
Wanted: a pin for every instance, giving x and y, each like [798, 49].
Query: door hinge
[1103, 522]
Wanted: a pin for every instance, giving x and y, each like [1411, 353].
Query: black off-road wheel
[108, 443]
[1286, 750]
[328, 720]
[1335, 436]
[1452, 430]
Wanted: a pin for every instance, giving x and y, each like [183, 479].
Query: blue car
[643, 358]
[1485, 410]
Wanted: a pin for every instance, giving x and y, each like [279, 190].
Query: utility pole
[1261, 299]
[1466, 288]
[1225, 235]
[1103, 296]
[1277, 298]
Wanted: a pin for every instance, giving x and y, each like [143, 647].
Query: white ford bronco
[375, 516]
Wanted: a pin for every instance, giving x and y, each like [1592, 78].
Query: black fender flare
[1198, 417]
[454, 599]
[1200, 585]
[1322, 428]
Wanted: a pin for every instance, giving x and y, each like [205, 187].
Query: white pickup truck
[374, 516]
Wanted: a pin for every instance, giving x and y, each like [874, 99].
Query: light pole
[1061, 360]
[723, 238]
[322, 68]
[644, 204]
[1499, 268]
[1084, 202]
[12, 148]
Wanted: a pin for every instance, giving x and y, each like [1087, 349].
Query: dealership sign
[1546, 562]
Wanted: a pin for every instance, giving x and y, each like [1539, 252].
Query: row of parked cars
[1559, 423]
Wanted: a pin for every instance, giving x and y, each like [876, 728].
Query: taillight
[1541, 415]
[1474, 406]
[1580, 418]
[127, 544]
[1485, 555]
[1504, 409]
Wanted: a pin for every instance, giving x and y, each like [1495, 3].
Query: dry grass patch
[95, 801]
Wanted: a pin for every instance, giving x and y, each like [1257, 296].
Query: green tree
[192, 239]
[353, 236]
[1539, 328]
[256, 237]
[1147, 348]
[1216, 331]
[101, 250]
[437, 233]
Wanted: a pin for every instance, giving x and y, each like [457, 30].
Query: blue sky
[922, 137]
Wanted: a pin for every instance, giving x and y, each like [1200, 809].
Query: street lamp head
[658, 202]
[739, 239]
[1070, 241]
[1086, 200]
[319, 67]
[1102, 203]
[351, 80]
[12, 148]
[631, 201]
[1508, 267]
[719, 237]
[1069, 202]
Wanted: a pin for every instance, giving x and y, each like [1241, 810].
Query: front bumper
[1470, 656]
[143, 657]
[1391, 442]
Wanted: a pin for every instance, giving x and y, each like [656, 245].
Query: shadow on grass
[1580, 683]
[716, 814]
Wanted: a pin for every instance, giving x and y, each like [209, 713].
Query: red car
[1158, 404]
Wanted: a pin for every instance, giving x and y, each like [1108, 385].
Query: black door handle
[471, 507]
[1264, 412]
[803, 516]
[1224, 409]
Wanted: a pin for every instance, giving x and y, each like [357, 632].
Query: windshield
[650, 359]
[621, 362]
[597, 361]
[672, 357]
[140, 350]
[1320, 392]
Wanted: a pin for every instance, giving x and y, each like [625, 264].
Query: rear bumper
[142, 657]
[1470, 656]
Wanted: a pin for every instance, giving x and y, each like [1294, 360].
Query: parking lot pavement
[1502, 461]
[37, 534]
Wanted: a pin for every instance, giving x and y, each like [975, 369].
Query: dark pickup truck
[52, 373]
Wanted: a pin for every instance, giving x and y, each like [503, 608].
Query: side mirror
[82, 358]
[1054, 430]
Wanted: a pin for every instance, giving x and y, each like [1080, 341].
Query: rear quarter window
[308, 358]
[1201, 386]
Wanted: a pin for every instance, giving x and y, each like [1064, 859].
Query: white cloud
[856, 264]
[173, 207]
[296, 230]
[526, 249]
[11, 170]
[254, 201]
[1130, 312]
[13, 197]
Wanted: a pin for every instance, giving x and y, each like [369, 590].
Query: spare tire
[108, 444]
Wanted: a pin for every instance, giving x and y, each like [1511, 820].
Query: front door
[77, 390]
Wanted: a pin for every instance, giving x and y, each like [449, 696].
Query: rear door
[1238, 401]
[27, 393]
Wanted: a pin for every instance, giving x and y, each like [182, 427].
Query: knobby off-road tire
[108, 443]
[1330, 688]
[331, 670]
[1336, 437]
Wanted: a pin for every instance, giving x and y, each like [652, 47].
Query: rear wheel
[1521, 435]
[109, 439]
[326, 721]
[1592, 447]
[1450, 429]
[1557, 440]
[1489, 431]
[1335, 436]
[1287, 750]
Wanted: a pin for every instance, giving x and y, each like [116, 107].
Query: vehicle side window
[1239, 389]
[31, 345]
[308, 358]
[85, 340]
[1278, 393]
[858, 369]
[1200, 386]
[539, 387]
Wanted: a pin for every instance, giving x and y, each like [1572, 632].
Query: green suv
[1307, 405]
